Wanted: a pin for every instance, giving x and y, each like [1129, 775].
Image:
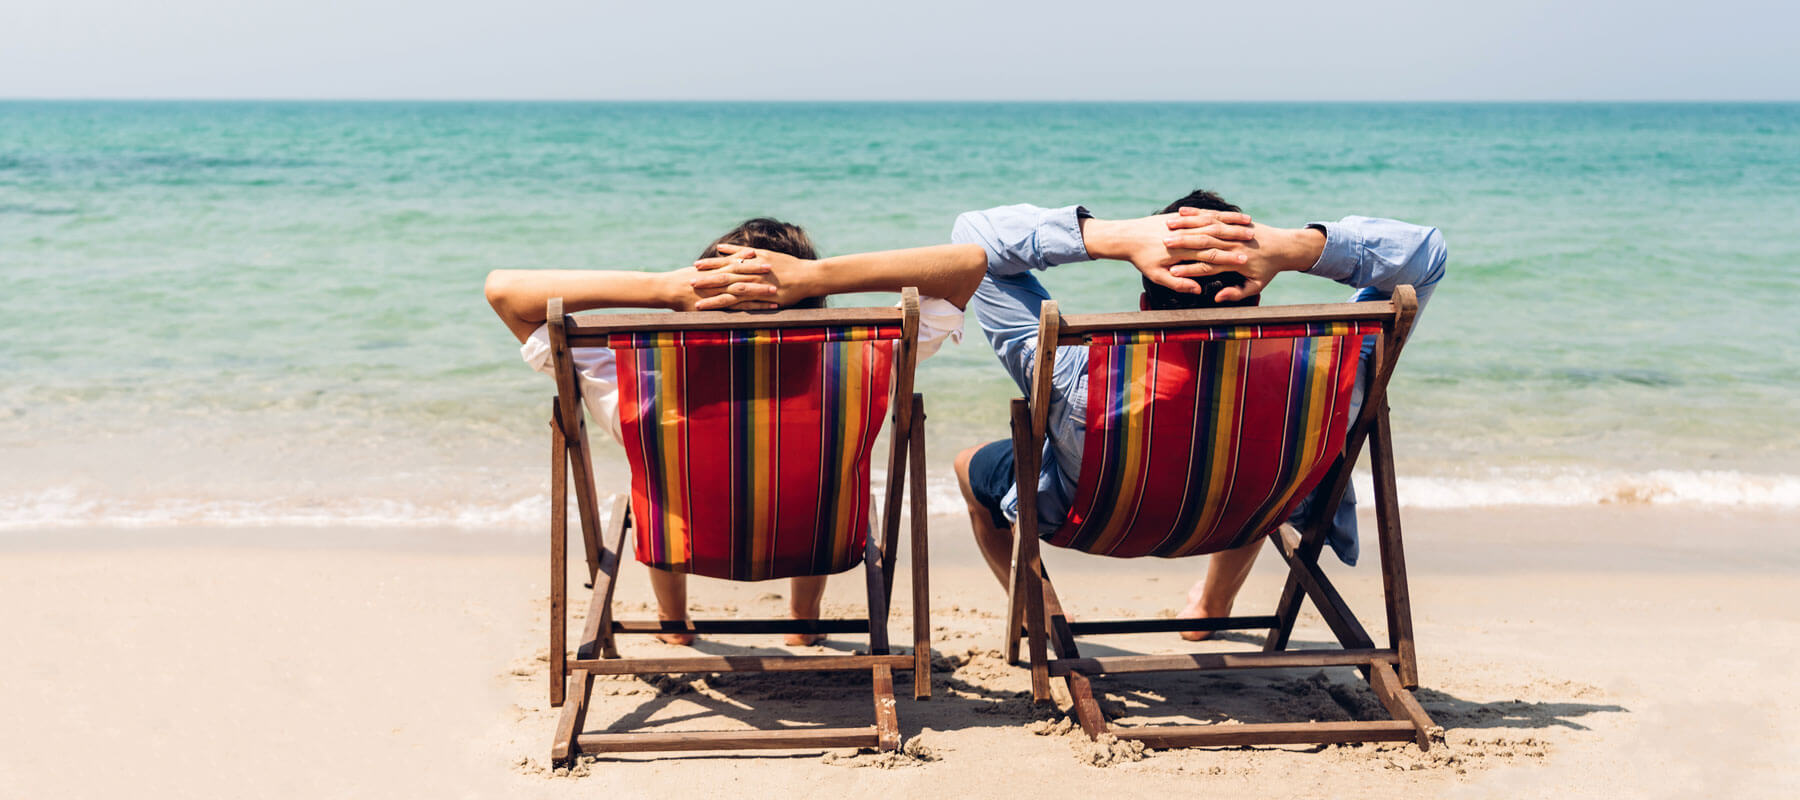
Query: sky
[900, 50]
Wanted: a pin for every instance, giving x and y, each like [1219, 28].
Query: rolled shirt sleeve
[1376, 256]
[1024, 237]
[1019, 239]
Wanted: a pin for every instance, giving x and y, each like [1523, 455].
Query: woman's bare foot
[671, 604]
[803, 639]
[677, 639]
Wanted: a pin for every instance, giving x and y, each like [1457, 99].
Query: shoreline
[512, 502]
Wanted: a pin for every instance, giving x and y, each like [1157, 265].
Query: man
[1372, 255]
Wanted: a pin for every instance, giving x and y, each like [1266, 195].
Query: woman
[738, 270]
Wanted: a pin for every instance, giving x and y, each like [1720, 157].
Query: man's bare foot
[1194, 611]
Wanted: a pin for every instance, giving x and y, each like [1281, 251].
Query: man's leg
[995, 542]
[1007, 308]
[1213, 597]
[805, 598]
[671, 602]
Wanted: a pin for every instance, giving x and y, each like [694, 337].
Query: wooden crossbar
[1075, 327]
[1161, 736]
[588, 330]
[1098, 627]
[742, 626]
[638, 666]
[1116, 665]
[804, 739]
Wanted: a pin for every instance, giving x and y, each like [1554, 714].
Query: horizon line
[822, 100]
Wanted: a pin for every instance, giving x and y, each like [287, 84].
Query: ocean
[270, 314]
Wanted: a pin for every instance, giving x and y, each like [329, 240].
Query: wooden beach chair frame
[596, 653]
[1034, 611]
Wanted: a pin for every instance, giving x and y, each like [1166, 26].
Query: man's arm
[1371, 255]
[1024, 237]
[1376, 255]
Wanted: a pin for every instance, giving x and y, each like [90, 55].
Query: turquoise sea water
[267, 312]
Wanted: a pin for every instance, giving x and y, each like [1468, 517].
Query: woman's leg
[671, 602]
[805, 597]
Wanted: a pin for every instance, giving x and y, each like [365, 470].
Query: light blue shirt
[1372, 255]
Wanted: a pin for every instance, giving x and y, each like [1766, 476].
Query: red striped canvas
[1200, 439]
[750, 450]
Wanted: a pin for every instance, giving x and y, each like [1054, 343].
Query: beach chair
[1205, 429]
[749, 437]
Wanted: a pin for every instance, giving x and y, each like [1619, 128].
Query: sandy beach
[1589, 652]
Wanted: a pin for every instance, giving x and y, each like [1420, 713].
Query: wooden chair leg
[921, 573]
[1062, 641]
[581, 463]
[574, 716]
[597, 637]
[890, 508]
[887, 722]
[1393, 555]
[1087, 710]
[559, 558]
[1015, 602]
[1035, 635]
[1286, 612]
[877, 591]
[1400, 703]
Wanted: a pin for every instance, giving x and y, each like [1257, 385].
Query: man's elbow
[1437, 254]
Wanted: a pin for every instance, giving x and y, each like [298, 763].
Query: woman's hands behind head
[746, 278]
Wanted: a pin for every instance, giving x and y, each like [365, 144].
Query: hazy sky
[901, 49]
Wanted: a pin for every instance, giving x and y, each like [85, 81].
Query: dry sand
[1600, 652]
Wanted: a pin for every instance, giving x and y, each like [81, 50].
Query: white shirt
[939, 319]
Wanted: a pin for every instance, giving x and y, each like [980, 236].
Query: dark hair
[1160, 298]
[764, 233]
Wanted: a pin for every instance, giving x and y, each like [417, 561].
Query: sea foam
[69, 508]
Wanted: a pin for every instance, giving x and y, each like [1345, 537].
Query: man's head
[1161, 298]
[764, 233]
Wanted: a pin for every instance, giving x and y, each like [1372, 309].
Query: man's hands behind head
[1270, 252]
[1157, 244]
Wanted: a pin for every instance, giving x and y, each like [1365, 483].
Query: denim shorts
[991, 477]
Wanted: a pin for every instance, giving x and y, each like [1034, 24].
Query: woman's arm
[519, 295]
[949, 271]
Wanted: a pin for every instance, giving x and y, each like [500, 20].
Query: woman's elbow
[499, 289]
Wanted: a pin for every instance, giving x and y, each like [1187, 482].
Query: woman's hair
[764, 233]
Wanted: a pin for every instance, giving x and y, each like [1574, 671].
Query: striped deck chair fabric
[750, 450]
[1200, 439]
